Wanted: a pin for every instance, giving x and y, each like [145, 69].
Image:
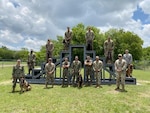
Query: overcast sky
[29, 23]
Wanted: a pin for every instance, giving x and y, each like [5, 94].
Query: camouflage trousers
[89, 74]
[109, 56]
[48, 55]
[120, 79]
[30, 66]
[15, 82]
[75, 75]
[49, 78]
[97, 77]
[65, 75]
[89, 45]
[66, 45]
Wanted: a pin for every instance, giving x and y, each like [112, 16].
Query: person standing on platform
[120, 68]
[108, 50]
[109, 53]
[50, 70]
[49, 49]
[89, 36]
[68, 38]
[97, 67]
[31, 61]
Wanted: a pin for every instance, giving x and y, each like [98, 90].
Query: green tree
[6, 53]
[146, 53]
[21, 54]
[126, 40]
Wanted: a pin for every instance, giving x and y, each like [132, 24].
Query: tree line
[122, 39]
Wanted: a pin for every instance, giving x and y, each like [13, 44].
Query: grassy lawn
[74, 100]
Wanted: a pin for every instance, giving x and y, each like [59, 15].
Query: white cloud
[145, 6]
[34, 43]
[29, 23]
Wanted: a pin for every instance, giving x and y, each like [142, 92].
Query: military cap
[49, 59]
[119, 55]
[18, 60]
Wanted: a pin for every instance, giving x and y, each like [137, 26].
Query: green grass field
[74, 100]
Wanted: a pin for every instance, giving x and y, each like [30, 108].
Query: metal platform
[58, 81]
[38, 74]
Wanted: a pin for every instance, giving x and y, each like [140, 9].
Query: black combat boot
[123, 89]
[117, 88]
[13, 89]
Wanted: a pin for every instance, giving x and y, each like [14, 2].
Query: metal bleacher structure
[38, 74]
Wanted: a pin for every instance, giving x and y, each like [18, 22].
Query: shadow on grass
[18, 92]
[122, 91]
[48, 87]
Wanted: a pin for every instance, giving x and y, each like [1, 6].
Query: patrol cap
[97, 57]
[18, 60]
[119, 55]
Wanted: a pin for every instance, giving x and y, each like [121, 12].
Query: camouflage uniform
[108, 50]
[49, 50]
[97, 67]
[17, 74]
[88, 70]
[120, 68]
[31, 61]
[65, 66]
[76, 68]
[50, 69]
[67, 40]
[89, 36]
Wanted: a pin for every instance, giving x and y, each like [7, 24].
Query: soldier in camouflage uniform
[109, 53]
[31, 61]
[65, 66]
[120, 68]
[76, 69]
[88, 69]
[49, 49]
[108, 50]
[89, 36]
[97, 67]
[67, 40]
[50, 70]
[17, 74]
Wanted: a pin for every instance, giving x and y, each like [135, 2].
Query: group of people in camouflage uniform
[91, 67]
[74, 69]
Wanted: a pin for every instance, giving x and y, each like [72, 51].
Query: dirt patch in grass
[143, 82]
[6, 82]
[145, 94]
[112, 92]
